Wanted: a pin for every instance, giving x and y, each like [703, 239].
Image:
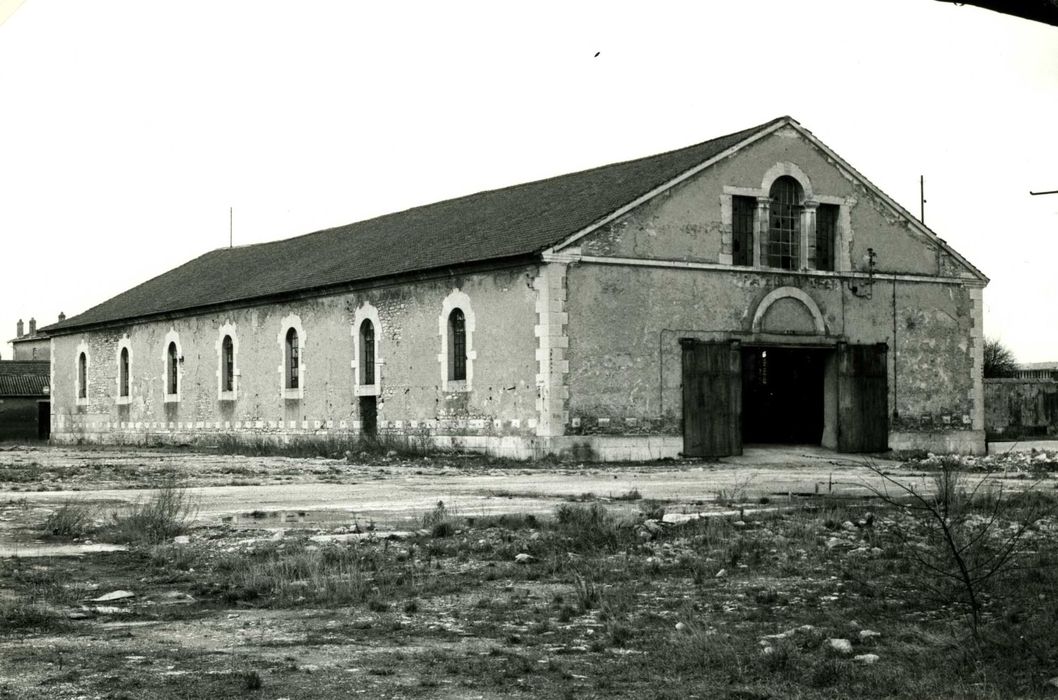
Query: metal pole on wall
[230, 229]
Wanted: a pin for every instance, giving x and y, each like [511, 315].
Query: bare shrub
[166, 514]
[962, 538]
[71, 519]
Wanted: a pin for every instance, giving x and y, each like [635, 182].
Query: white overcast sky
[127, 128]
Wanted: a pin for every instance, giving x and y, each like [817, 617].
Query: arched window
[367, 353]
[123, 373]
[457, 346]
[784, 224]
[227, 364]
[172, 370]
[82, 376]
[292, 359]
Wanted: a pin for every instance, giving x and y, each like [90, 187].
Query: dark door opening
[43, 420]
[783, 395]
[368, 416]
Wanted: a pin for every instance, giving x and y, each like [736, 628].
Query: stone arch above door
[788, 310]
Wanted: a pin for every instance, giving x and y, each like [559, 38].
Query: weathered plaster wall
[1021, 407]
[686, 222]
[502, 397]
[626, 322]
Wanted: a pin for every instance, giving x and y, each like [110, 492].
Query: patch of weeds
[315, 446]
[505, 521]
[439, 521]
[378, 606]
[581, 498]
[619, 633]
[566, 613]
[652, 509]
[163, 516]
[824, 672]
[411, 607]
[251, 680]
[72, 519]
[588, 594]
[591, 527]
[736, 493]
[631, 495]
[173, 556]
[16, 615]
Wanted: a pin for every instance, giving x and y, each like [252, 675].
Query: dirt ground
[174, 636]
[388, 490]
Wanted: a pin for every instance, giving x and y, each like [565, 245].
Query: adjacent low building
[24, 400]
[752, 288]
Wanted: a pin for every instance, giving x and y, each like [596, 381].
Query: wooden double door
[731, 392]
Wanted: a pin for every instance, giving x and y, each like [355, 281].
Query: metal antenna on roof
[922, 199]
[1048, 192]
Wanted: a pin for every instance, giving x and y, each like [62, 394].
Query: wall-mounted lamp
[864, 290]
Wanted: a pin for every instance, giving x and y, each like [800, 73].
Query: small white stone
[865, 658]
[680, 627]
[182, 539]
[842, 646]
[720, 574]
[115, 595]
[869, 634]
[523, 558]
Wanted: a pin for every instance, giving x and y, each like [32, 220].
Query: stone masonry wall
[501, 400]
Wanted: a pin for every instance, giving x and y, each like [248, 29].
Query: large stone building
[752, 288]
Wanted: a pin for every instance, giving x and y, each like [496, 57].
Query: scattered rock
[679, 518]
[182, 539]
[833, 542]
[842, 646]
[523, 558]
[681, 627]
[110, 610]
[849, 526]
[720, 574]
[652, 526]
[866, 635]
[113, 595]
[739, 523]
[865, 658]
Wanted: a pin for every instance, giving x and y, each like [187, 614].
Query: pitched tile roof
[19, 378]
[493, 225]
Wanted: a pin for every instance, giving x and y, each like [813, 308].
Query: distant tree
[999, 360]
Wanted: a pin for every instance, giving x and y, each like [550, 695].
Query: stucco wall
[687, 222]
[501, 400]
[626, 322]
[1021, 407]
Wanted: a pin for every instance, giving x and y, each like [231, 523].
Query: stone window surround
[808, 219]
[456, 299]
[82, 349]
[366, 312]
[124, 344]
[228, 329]
[291, 321]
[172, 337]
